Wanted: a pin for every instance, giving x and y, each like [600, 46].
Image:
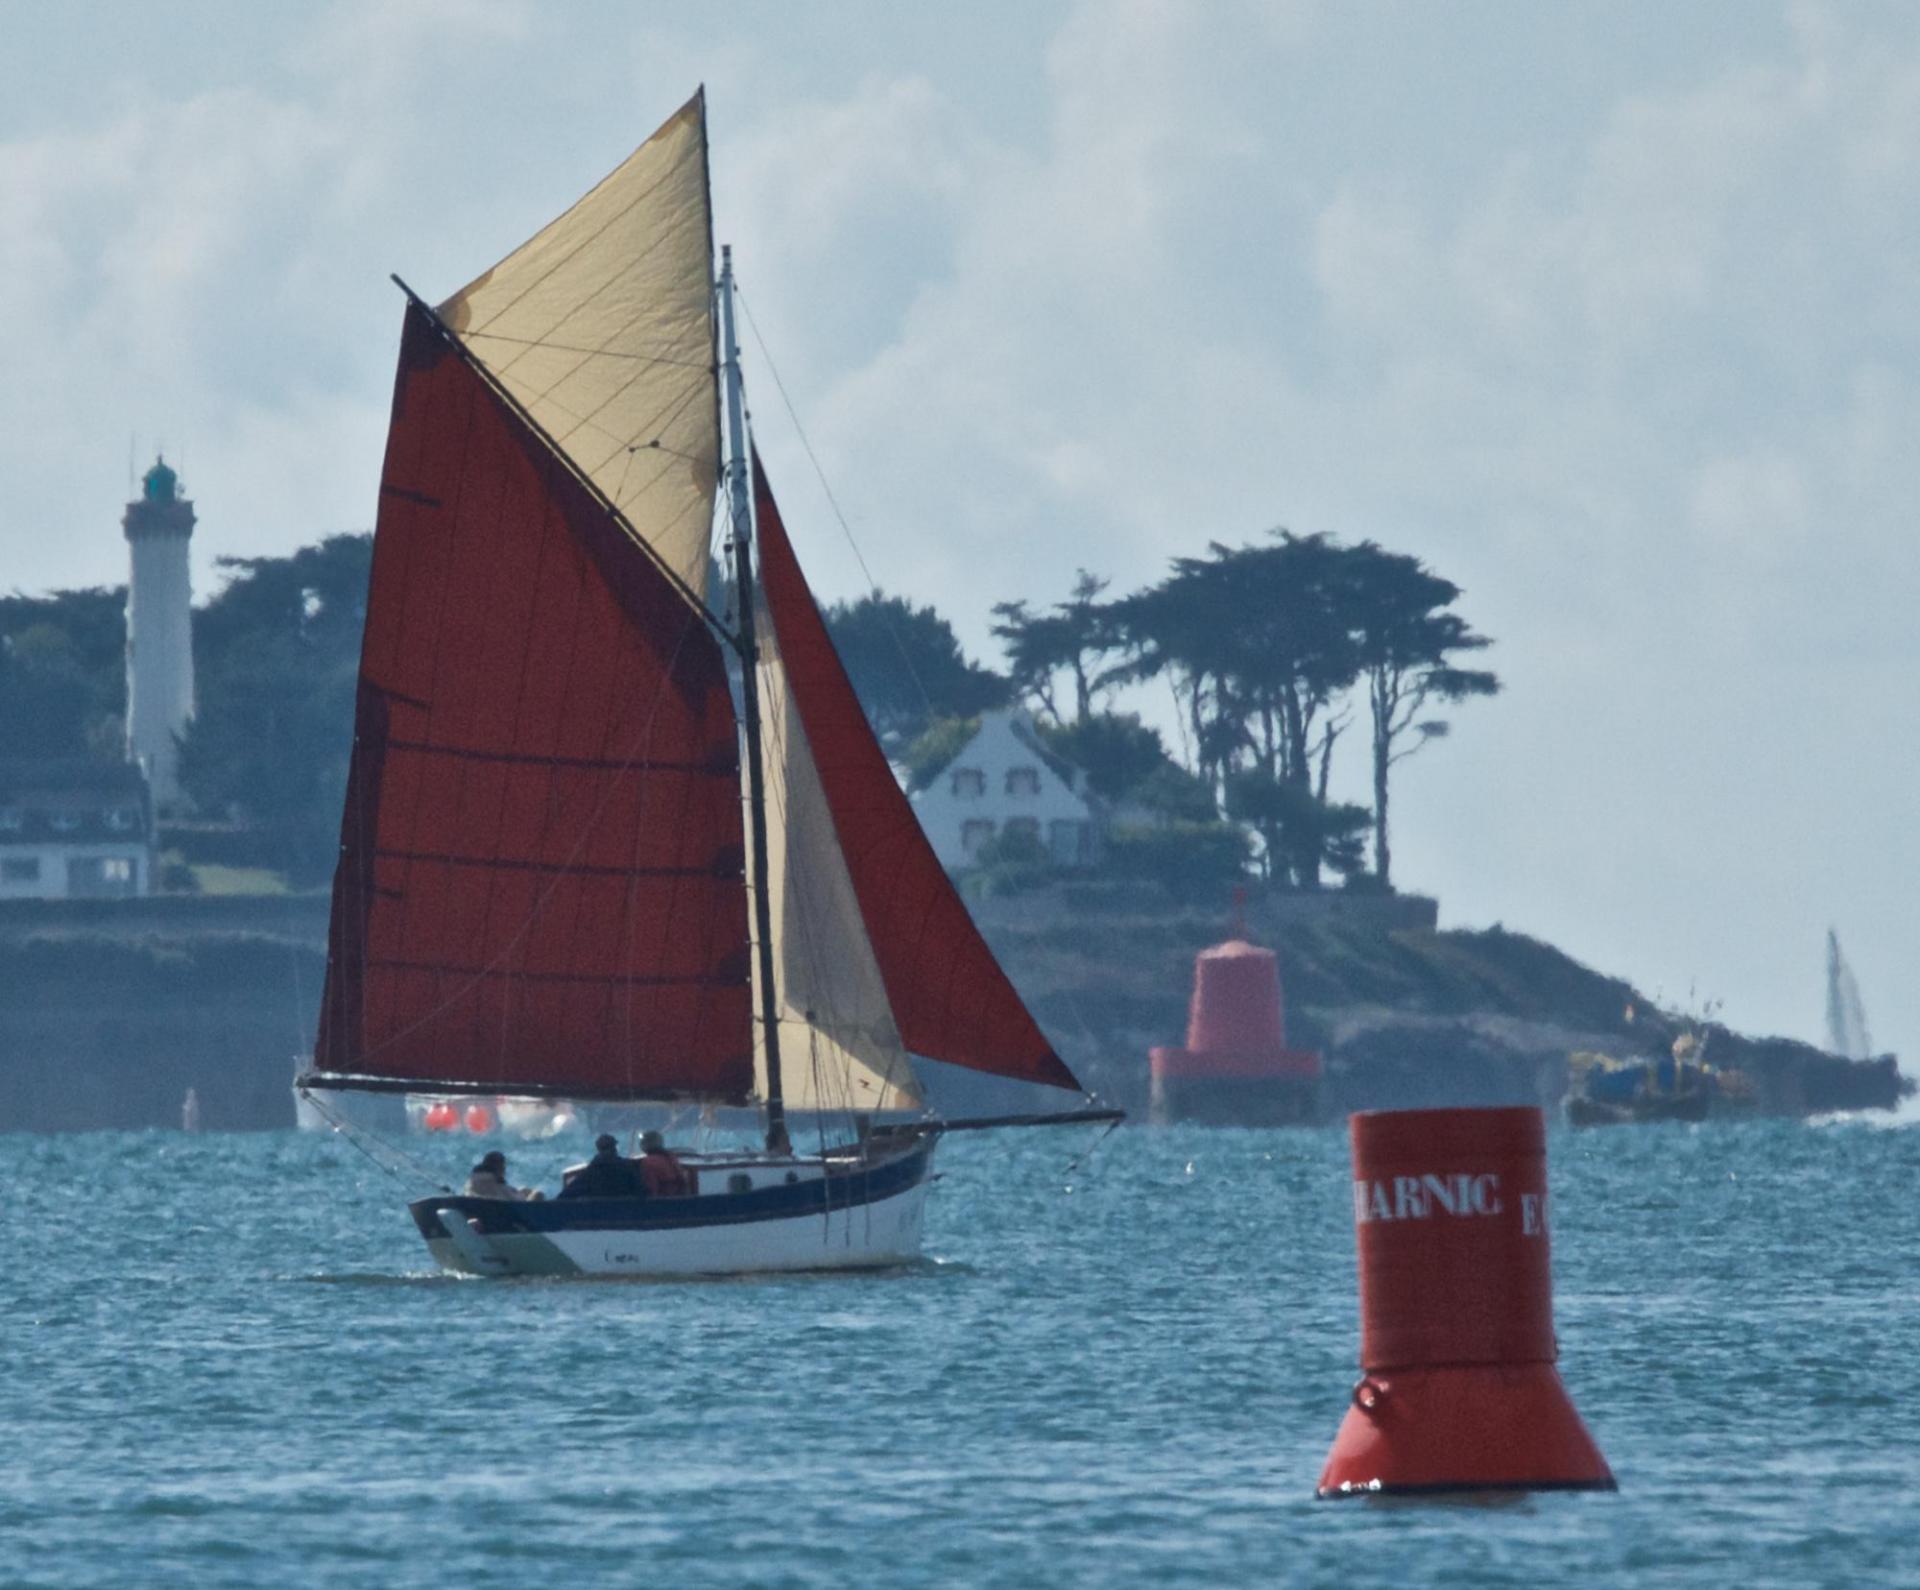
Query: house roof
[1069, 773]
[1020, 724]
[67, 778]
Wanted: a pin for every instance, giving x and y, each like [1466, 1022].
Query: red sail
[541, 880]
[949, 997]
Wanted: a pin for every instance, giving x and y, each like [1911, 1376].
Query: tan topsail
[601, 327]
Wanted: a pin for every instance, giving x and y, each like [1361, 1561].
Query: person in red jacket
[661, 1170]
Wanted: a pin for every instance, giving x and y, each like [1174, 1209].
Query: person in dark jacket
[606, 1175]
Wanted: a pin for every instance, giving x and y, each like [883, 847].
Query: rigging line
[360, 1139]
[589, 420]
[833, 502]
[1092, 1148]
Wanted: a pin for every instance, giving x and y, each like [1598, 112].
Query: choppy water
[223, 1362]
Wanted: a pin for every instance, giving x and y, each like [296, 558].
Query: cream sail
[601, 328]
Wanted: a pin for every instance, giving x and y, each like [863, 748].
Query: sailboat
[1846, 1017]
[605, 842]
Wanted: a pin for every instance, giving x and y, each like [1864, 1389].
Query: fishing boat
[1679, 1087]
[616, 831]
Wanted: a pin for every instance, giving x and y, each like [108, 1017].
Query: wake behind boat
[574, 778]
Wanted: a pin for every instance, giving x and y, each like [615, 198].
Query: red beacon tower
[1236, 1068]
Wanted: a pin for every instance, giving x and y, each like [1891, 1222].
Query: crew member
[606, 1175]
[488, 1179]
[661, 1170]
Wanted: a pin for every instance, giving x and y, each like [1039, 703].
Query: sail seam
[584, 764]
[571, 868]
[704, 368]
[560, 263]
[588, 420]
[712, 978]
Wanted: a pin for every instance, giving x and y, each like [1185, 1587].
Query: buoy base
[1469, 1427]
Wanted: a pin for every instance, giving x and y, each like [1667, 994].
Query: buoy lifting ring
[1368, 1394]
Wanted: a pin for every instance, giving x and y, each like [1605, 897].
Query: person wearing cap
[660, 1169]
[488, 1179]
[606, 1175]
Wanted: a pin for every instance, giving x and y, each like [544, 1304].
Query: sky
[1604, 311]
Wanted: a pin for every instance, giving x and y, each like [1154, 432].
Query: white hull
[875, 1236]
[712, 1236]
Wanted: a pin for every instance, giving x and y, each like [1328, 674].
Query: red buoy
[1236, 1068]
[1459, 1390]
[440, 1117]
[479, 1118]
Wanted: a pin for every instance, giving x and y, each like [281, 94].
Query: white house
[74, 830]
[1004, 781]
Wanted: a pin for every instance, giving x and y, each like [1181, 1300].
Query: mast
[740, 519]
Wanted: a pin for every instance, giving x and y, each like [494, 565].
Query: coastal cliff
[1406, 1015]
[111, 1010]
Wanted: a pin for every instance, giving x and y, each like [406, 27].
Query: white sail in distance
[1847, 1034]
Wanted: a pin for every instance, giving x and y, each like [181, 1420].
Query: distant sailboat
[1847, 1033]
[573, 781]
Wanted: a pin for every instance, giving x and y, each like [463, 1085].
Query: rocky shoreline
[111, 1010]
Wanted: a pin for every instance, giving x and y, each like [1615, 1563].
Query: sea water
[225, 1360]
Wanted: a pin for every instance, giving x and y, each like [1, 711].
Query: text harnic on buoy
[1457, 1194]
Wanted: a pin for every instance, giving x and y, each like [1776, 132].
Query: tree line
[276, 652]
[1274, 652]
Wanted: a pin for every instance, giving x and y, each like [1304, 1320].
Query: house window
[1023, 781]
[1023, 827]
[969, 782]
[122, 818]
[100, 877]
[974, 833]
[1067, 839]
[20, 869]
[12, 820]
[64, 822]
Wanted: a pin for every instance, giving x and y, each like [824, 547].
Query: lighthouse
[159, 524]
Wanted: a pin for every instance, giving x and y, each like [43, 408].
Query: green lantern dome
[161, 483]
